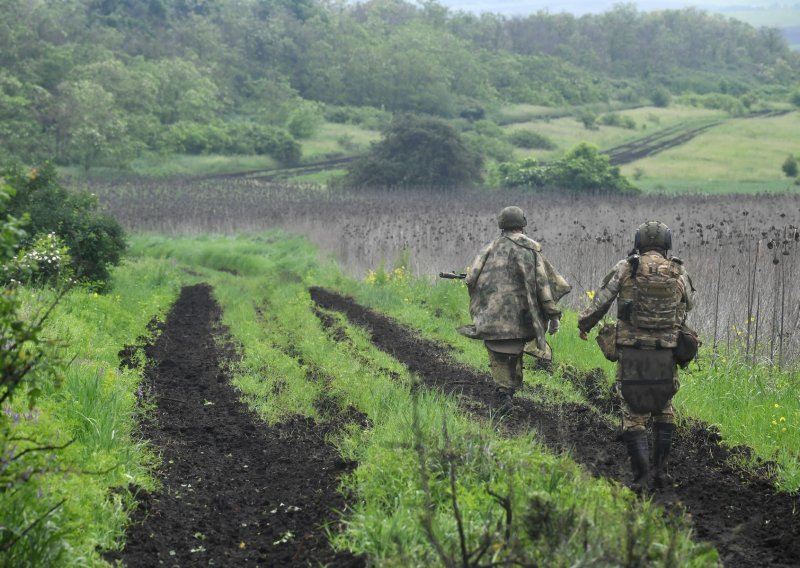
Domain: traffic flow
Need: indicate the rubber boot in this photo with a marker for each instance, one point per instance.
(662, 440)
(639, 452)
(504, 400)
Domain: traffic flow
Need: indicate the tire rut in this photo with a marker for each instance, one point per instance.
(235, 492)
(737, 510)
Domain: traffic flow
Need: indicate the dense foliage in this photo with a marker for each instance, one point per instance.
(94, 82)
(582, 170)
(93, 240)
(417, 151)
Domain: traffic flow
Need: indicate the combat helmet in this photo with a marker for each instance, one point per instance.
(511, 218)
(652, 235)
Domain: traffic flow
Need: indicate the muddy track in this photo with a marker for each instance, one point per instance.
(666, 139)
(235, 492)
(737, 511)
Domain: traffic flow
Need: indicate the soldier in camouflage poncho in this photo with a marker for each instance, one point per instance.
(513, 293)
(653, 293)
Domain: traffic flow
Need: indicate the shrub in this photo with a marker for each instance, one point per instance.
(95, 240)
(28, 361)
(618, 120)
(304, 121)
(583, 169)
(790, 167)
(417, 151)
(661, 97)
(47, 261)
(530, 140)
(794, 98)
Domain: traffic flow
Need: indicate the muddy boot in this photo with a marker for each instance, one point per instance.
(639, 452)
(662, 440)
(503, 400)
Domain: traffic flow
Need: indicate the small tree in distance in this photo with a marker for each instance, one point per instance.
(790, 167)
(417, 151)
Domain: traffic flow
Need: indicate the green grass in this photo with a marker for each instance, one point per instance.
(268, 311)
(96, 410)
(739, 399)
(739, 150)
(334, 140)
(568, 131)
(200, 165)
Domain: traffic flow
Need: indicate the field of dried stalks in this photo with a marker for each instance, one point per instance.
(742, 251)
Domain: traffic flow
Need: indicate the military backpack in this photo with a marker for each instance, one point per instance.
(657, 292)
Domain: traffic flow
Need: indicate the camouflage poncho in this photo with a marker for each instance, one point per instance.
(513, 291)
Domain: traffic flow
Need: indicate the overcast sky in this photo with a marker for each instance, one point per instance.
(593, 6)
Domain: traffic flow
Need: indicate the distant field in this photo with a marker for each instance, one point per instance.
(740, 153)
(568, 131)
(335, 140)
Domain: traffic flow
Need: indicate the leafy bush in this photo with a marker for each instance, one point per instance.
(47, 261)
(790, 167)
(661, 97)
(618, 120)
(231, 138)
(530, 140)
(583, 169)
(304, 121)
(27, 362)
(794, 98)
(95, 240)
(417, 151)
(718, 101)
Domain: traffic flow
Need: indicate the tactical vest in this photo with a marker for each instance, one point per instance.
(650, 305)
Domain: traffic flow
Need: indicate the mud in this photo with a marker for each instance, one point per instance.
(736, 510)
(234, 491)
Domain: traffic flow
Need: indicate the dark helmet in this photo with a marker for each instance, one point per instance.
(511, 218)
(652, 235)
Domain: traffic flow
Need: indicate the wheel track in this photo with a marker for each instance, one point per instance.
(235, 492)
(736, 510)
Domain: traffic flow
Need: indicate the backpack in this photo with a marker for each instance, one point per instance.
(657, 292)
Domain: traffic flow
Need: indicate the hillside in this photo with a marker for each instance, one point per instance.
(102, 83)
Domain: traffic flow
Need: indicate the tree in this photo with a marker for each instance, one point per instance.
(790, 167)
(417, 151)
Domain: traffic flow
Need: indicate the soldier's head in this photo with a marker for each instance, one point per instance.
(652, 235)
(511, 218)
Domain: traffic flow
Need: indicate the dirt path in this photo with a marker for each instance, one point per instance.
(235, 491)
(737, 511)
(667, 138)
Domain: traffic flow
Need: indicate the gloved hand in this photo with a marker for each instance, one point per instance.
(553, 325)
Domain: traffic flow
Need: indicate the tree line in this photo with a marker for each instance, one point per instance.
(96, 82)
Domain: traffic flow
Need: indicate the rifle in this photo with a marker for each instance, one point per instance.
(453, 275)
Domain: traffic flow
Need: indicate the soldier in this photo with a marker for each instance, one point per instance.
(654, 294)
(513, 291)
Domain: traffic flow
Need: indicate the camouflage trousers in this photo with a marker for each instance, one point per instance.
(633, 422)
(506, 369)
(646, 382)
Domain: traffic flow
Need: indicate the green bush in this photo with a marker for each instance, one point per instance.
(231, 138)
(95, 240)
(531, 140)
(583, 170)
(417, 151)
(661, 97)
(46, 261)
(790, 167)
(618, 120)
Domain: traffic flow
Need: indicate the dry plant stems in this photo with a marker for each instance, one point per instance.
(442, 230)
(465, 558)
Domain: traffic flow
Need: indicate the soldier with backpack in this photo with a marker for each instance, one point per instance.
(654, 293)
